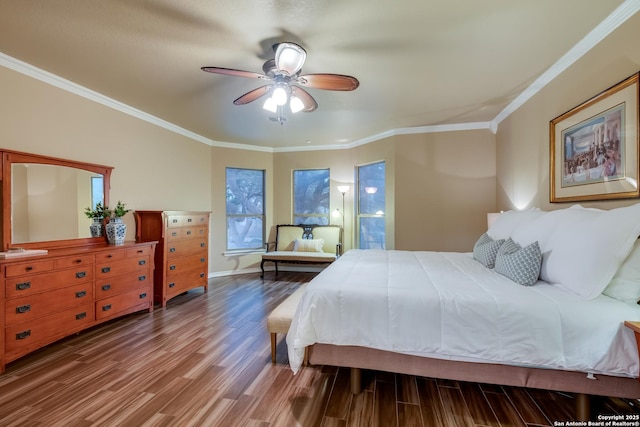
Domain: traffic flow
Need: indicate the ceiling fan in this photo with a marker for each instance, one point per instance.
(286, 83)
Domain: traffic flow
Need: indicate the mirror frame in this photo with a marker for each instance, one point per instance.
(8, 158)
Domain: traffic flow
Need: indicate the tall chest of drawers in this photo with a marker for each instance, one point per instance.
(182, 255)
(46, 298)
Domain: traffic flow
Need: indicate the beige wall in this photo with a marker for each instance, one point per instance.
(522, 140)
(444, 187)
(154, 168)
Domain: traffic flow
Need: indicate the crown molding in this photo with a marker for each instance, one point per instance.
(595, 36)
(623, 12)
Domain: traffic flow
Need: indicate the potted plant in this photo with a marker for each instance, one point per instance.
(116, 229)
(97, 214)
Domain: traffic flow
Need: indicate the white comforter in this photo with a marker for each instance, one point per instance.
(448, 306)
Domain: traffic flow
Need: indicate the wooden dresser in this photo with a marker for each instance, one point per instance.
(48, 297)
(182, 256)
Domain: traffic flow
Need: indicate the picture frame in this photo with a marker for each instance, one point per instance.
(594, 147)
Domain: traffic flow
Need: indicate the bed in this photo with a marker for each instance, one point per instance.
(464, 316)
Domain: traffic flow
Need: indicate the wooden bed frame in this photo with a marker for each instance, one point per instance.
(358, 358)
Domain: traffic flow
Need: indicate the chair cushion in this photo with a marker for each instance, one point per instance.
(292, 256)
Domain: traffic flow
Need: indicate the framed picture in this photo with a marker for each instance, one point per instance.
(594, 147)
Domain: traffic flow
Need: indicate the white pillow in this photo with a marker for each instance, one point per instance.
(507, 222)
(587, 246)
(308, 245)
(625, 285)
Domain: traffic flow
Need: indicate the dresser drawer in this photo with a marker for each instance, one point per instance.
(108, 256)
(38, 283)
(187, 233)
(106, 288)
(139, 251)
(183, 282)
(181, 265)
(114, 305)
(124, 266)
(22, 309)
(73, 261)
(47, 329)
(187, 220)
(181, 248)
(32, 267)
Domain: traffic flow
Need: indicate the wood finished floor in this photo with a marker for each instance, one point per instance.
(205, 361)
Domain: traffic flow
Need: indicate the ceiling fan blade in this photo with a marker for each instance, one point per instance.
(236, 73)
(252, 95)
(309, 103)
(290, 57)
(328, 81)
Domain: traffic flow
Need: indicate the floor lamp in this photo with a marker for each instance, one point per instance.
(342, 189)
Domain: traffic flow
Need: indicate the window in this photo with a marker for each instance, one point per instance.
(371, 206)
(311, 196)
(245, 209)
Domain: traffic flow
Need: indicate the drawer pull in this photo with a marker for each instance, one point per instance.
(106, 307)
(81, 294)
(171, 285)
(78, 261)
(81, 315)
(106, 269)
(172, 267)
(80, 274)
(23, 308)
(142, 262)
(189, 220)
(106, 287)
(202, 245)
(143, 295)
(174, 234)
(172, 249)
(142, 278)
(201, 275)
(188, 233)
(175, 221)
(29, 268)
(110, 256)
(203, 259)
(24, 334)
(140, 251)
(23, 286)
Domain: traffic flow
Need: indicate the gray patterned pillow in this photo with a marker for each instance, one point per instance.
(522, 265)
(486, 249)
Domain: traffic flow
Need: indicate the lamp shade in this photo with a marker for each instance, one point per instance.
(343, 188)
(279, 95)
(270, 105)
(295, 104)
(290, 57)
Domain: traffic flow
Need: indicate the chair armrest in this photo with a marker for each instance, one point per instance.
(266, 245)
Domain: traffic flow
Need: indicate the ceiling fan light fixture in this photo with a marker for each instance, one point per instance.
(270, 105)
(279, 95)
(296, 104)
(290, 57)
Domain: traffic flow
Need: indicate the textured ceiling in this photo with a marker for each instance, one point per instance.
(419, 62)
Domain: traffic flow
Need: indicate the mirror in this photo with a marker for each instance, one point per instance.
(44, 200)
